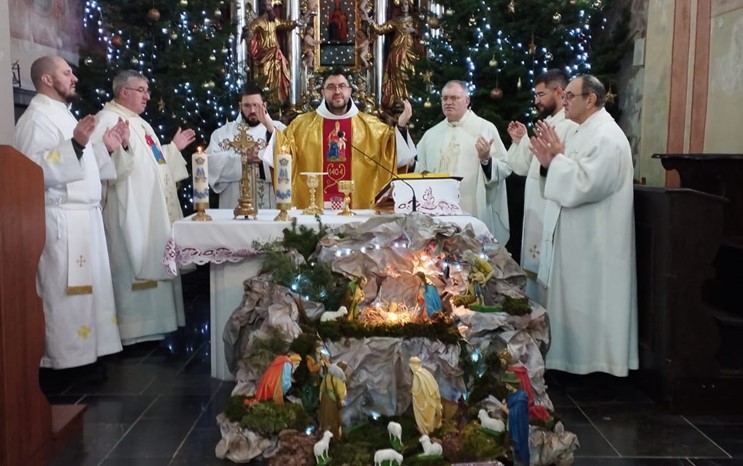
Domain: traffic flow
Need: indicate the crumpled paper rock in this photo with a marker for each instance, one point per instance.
(241, 445)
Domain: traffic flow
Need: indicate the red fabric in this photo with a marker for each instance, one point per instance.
(535, 411)
(336, 146)
(269, 387)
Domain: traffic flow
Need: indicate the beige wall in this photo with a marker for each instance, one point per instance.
(724, 123)
(7, 122)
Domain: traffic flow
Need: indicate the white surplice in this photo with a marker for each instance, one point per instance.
(592, 282)
(449, 147)
(225, 167)
(141, 207)
(523, 163)
(79, 327)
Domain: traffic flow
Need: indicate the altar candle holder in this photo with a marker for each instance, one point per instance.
(346, 187)
(201, 215)
(313, 182)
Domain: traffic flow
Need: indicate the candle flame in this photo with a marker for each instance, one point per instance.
(199, 149)
(284, 149)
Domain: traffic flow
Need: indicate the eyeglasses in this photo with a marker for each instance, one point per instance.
(451, 98)
(570, 95)
(141, 90)
(339, 87)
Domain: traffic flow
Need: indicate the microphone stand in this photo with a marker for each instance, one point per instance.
(394, 175)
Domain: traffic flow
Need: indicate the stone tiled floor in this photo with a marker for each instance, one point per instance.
(158, 404)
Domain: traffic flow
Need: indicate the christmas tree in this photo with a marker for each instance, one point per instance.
(499, 47)
(185, 48)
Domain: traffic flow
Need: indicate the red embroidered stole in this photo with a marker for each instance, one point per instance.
(336, 157)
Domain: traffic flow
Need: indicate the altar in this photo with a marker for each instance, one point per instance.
(228, 246)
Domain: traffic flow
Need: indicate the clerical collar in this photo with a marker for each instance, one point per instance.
(324, 112)
(121, 109)
(461, 121)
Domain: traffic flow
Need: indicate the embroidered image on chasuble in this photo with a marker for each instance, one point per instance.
(329, 146)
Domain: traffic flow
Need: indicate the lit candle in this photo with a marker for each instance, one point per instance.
(200, 180)
(284, 177)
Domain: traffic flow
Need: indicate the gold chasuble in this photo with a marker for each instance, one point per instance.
(329, 144)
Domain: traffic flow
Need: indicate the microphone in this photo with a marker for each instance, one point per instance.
(394, 175)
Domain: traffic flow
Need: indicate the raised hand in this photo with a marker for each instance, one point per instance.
(516, 130)
(181, 139)
(546, 144)
(122, 128)
(84, 129)
(407, 112)
(112, 139)
(483, 148)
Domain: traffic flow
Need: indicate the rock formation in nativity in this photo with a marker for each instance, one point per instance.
(471, 346)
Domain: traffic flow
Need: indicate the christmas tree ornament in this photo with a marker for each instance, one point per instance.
(548, 56)
(449, 11)
(427, 103)
(116, 41)
(134, 61)
(473, 21)
(173, 35)
(610, 96)
(434, 22)
(512, 6)
(532, 46)
(534, 112)
(217, 13)
(557, 17)
(496, 93)
(224, 50)
(493, 62)
(153, 15)
(212, 58)
(184, 2)
(597, 4)
(518, 84)
(183, 66)
(88, 61)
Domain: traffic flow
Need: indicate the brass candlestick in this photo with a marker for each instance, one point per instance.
(201, 215)
(346, 187)
(313, 181)
(283, 215)
(245, 206)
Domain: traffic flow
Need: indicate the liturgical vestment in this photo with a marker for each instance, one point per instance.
(74, 277)
(141, 207)
(523, 163)
(318, 142)
(590, 267)
(449, 147)
(225, 165)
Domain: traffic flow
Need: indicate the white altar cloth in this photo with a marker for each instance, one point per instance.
(226, 244)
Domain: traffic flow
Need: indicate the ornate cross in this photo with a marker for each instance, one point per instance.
(81, 261)
(243, 143)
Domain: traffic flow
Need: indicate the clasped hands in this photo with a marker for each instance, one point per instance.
(546, 144)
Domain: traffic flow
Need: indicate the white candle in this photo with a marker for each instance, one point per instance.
(199, 169)
(284, 177)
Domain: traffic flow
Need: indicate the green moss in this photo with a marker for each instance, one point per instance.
(516, 306)
(443, 330)
(480, 446)
(269, 419)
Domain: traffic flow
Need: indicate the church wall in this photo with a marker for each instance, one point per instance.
(723, 127)
(6, 85)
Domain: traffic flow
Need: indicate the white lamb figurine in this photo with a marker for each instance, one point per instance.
(329, 316)
(395, 431)
(321, 447)
(490, 423)
(430, 448)
(388, 454)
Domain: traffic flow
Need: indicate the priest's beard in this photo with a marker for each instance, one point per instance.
(548, 110)
(251, 121)
(69, 95)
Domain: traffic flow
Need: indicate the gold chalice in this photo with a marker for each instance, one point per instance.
(346, 187)
(313, 182)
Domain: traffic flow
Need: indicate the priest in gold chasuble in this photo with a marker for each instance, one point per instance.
(343, 142)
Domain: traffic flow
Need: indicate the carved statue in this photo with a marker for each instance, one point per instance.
(426, 398)
(403, 55)
(270, 66)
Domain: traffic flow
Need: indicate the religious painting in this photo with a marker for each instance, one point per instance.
(336, 28)
(54, 24)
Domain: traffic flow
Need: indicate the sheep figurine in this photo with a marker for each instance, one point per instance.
(321, 448)
(389, 455)
(490, 423)
(330, 316)
(395, 431)
(430, 448)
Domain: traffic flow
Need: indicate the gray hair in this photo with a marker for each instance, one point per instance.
(592, 85)
(460, 83)
(124, 77)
